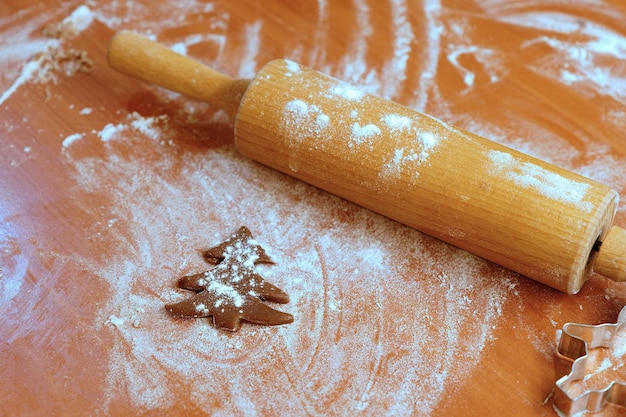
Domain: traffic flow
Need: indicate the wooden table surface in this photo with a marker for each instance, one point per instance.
(111, 187)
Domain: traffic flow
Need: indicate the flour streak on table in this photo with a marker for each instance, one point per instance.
(387, 319)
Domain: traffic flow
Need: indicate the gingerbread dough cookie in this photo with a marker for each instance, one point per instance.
(232, 291)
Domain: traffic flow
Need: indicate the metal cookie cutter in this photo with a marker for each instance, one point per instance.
(573, 350)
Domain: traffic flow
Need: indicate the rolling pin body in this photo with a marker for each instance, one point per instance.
(517, 211)
(530, 216)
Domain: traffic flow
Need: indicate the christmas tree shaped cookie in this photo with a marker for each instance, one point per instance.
(232, 291)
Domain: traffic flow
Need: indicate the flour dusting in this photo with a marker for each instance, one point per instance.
(394, 72)
(40, 69)
(347, 91)
(364, 290)
(550, 184)
(69, 140)
(582, 61)
(397, 122)
(249, 65)
(28, 73)
(338, 119)
(363, 133)
(157, 202)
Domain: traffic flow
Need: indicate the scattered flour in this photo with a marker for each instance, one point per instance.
(347, 91)
(252, 45)
(68, 141)
(29, 71)
(304, 120)
(80, 19)
(292, 66)
(397, 122)
(226, 291)
(337, 271)
(38, 69)
(322, 121)
(354, 63)
(363, 133)
(353, 313)
(394, 72)
(428, 140)
(110, 131)
(14, 259)
(307, 126)
(581, 61)
(550, 184)
(148, 126)
(297, 108)
(116, 321)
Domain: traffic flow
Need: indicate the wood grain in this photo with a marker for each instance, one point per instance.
(111, 187)
(285, 122)
(490, 200)
(152, 62)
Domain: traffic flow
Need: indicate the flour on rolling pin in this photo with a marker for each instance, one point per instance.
(537, 219)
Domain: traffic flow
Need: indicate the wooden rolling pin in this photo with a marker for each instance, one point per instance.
(537, 219)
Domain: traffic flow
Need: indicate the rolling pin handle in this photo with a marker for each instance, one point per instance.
(140, 57)
(611, 259)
